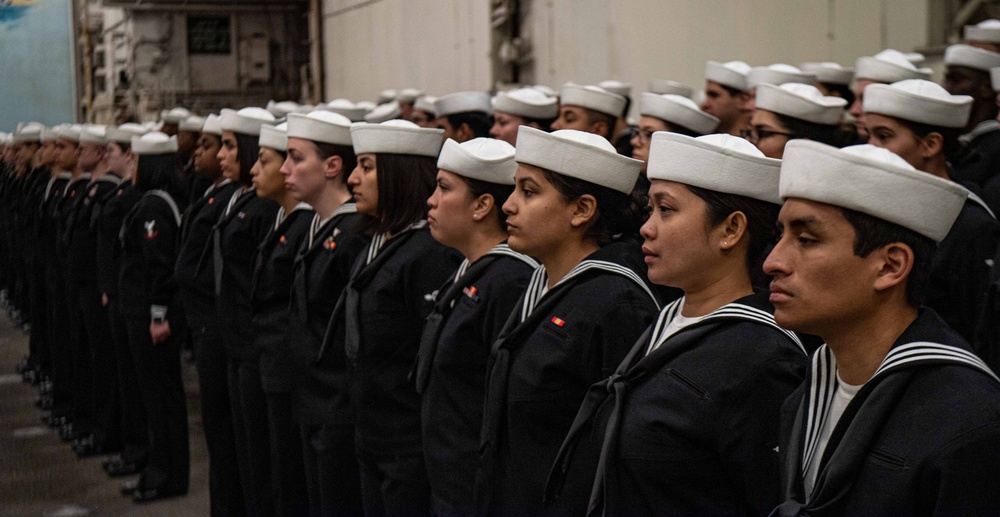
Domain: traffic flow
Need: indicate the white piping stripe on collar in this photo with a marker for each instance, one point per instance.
(346, 208)
(280, 218)
(924, 351)
(213, 188)
(164, 195)
(729, 310)
(83, 177)
(238, 193)
(824, 382)
(979, 201)
(981, 129)
(821, 391)
(499, 249)
(109, 178)
(537, 286)
(379, 241)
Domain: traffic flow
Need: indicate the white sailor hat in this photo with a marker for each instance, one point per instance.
(396, 137)
(665, 86)
(94, 135)
(778, 74)
(732, 74)
(175, 115)
(874, 181)
(678, 110)
(617, 87)
(592, 98)
(353, 112)
(484, 159)
(986, 31)
(463, 102)
(387, 95)
(321, 126)
(193, 124)
(828, 72)
(920, 101)
(123, 134)
(6, 138)
(577, 154)
(366, 105)
(30, 132)
(425, 103)
(213, 125)
(282, 109)
(409, 94)
(723, 163)
(526, 102)
(71, 132)
(383, 112)
(972, 57)
(888, 66)
(546, 89)
(247, 121)
(48, 134)
(154, 143)
(274, 137)
(801, 101)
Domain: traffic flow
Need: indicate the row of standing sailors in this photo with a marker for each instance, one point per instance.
(308, 393)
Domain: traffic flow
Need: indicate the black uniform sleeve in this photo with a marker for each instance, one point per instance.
(159, 250)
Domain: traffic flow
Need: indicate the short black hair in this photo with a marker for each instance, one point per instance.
(479, 122)
(614, 215)
(124, 147)
(499, 192)
(823, 133)
(733, 92)
(951, 146)
(346, 153)
(761, 218)
(247, 151)
(628, 106)
(594, 116)
(872, 233)
(405, 181)
(157, 172)
(843, 91)
(544, 124)
(677, 128)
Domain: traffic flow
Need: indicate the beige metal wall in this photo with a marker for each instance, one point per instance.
(437, 45)
(443, 45)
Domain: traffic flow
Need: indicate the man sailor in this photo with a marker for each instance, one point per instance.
(885, 67)
(897, 416)
(968, 73)
(464, 115)
(919, 121)
(727, 95)
(591, 109)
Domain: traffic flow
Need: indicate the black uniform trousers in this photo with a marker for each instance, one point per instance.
(288, 486)
(253, 442)
(212, 362)
(134, 428)
(79, 350)
(159, 374)
(105, 401)
(59, 331)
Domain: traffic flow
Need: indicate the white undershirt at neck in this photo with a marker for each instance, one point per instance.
(844, 395)
(676, 325)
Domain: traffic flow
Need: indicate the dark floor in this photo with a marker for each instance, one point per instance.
(40, 475)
